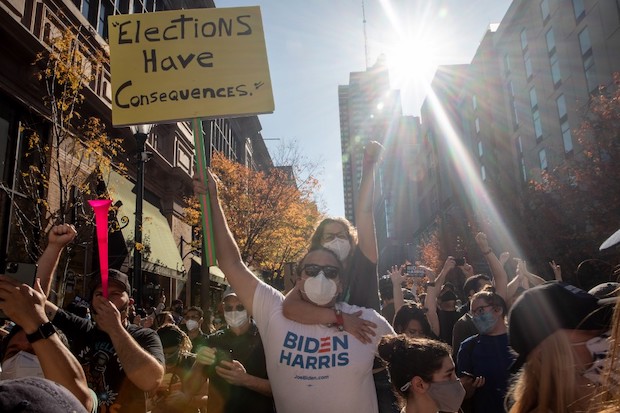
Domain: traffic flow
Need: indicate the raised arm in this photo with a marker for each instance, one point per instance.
(242, 280)
(305, 313)
(364, 214)
(26, 307)
(533, 279)
(500, 278)
(397, 290)
(434, 286)
(59, 236)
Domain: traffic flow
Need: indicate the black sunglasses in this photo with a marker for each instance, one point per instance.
(238, 307)
(312, 270)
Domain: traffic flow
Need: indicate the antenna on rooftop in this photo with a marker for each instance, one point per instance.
(365, 36)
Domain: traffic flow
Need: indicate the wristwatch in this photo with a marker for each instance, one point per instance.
(45, 330)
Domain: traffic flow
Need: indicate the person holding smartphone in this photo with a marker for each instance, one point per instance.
(233, 361)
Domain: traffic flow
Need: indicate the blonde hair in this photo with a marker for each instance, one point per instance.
(610, 393)
(548, 380)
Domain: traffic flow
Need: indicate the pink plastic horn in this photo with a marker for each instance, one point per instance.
(101, 207)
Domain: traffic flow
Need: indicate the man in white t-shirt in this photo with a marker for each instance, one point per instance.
(312, 368)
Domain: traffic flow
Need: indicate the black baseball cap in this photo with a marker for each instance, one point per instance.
(544, 309)
(114, 276)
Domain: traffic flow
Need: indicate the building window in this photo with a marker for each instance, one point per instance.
(550, 41)
(523, 39)
(477, 122)
(519, 145)
(564, 125)
(536, 115)
(533, 99)
(515, 116)
(542, 156)
(537, 125)
(553, 58)
(562, 111)
(567, 139)
(588, 59)
(528, 66)
(544, 10)
(556, 76)
(579, 9)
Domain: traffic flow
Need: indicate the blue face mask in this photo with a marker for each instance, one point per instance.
(484, 322)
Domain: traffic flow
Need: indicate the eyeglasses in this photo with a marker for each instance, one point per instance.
(312, 270)
(238, 307)
(480, 310)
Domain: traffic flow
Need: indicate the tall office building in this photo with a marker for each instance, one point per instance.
(367, 107)
(515, 109)
(371, 110)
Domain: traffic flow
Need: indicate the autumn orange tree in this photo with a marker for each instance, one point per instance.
(270, 216)
(62, 153)
(574, 207)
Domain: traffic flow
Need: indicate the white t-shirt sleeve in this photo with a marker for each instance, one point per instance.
(267, 300)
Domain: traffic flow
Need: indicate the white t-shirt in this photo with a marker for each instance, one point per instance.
(315, 368)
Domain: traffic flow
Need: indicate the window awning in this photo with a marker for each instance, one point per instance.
(215, 274)
(160, 254)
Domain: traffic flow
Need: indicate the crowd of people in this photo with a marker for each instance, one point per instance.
(417, 339)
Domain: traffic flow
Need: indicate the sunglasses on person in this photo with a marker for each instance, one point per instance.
(238, 307)
(312, 270)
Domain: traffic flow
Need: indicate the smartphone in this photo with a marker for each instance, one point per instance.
(459, 261)
(413, 271)
(22, 272)
(222, 355)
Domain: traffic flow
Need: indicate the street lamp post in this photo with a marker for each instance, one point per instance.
(140, 133)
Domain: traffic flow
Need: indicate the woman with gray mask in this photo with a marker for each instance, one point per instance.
(422, 373)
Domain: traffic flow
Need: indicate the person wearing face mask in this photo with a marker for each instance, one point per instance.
(422, 373)
(233, 361)
(484, 359)
(561, 334)
(312, 368)
(192, 325)
(356, 248)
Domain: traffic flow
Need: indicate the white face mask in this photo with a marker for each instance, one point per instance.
(341, 247)
(191, 325)
(236, 319)
(320, 289)
(23, 364)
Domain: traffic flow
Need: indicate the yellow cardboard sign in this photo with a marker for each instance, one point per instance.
(184, 64)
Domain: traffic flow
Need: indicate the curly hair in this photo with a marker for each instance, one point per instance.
(171, 336)
(407, 358)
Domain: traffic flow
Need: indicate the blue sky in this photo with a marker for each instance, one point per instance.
(313, 45)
